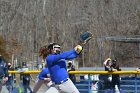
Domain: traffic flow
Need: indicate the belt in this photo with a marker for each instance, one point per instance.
(60, 82)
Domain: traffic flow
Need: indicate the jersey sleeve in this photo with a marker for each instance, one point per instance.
(74, 55)
(65, 55)
(43, 73)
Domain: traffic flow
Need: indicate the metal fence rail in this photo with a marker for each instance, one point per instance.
(88, 90)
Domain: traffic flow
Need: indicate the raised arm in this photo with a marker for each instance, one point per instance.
(65, 55)
(54, 58)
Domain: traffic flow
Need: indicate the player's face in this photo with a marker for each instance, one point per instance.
(109, 63)
(56, 49)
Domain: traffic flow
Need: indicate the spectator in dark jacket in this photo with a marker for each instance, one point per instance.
(3, 72)
(115, 77)
(111, 65)
(11, 78)
(26, 80)
(107, 78)
(70, 67)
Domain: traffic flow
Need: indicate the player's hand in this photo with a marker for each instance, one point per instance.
(47, 79)
(114, 69)
(78, 48)
(5, 79)
(137, 69)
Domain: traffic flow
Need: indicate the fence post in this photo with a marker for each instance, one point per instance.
(136, 88)
(89, 83)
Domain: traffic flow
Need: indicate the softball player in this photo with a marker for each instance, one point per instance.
(56, 62)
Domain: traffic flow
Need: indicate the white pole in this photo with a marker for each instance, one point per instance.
(13, 60)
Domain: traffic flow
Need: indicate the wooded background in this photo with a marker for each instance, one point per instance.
(26, 25)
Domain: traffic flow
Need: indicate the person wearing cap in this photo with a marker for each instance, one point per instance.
(70, 67)
(107, 78)
(56, 61)
(11, 78)
(107, 64)
(25, 78)
(3, 72)
(114, 79)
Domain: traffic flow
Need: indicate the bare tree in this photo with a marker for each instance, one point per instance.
(34, 23)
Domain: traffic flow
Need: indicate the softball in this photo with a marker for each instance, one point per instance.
(79, 48)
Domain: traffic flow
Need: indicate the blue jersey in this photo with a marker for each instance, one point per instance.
(57, 65)
(44, 74)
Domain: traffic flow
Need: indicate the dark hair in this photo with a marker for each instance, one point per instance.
(114, 63)
(24, 64)
(46, 50)
(50, 46)
(69, 64)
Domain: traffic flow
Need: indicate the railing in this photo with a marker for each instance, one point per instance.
(89, 73)
(25, 72)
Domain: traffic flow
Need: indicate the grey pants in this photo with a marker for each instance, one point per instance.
(66, 87)
(39, 83)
